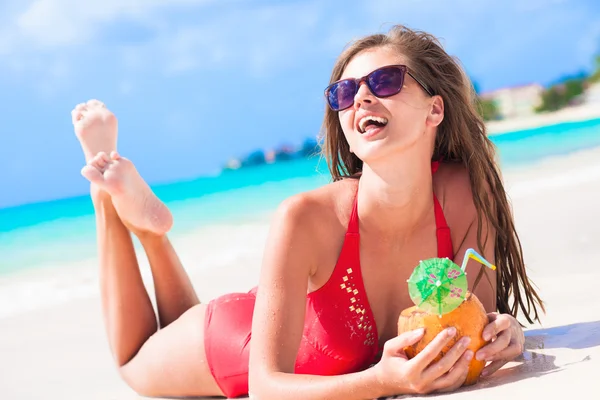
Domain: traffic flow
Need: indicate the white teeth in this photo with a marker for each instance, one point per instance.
(362, 124)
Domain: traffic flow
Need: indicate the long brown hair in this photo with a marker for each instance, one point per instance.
(461, 138)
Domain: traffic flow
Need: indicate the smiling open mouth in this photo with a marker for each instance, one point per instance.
(371, 122)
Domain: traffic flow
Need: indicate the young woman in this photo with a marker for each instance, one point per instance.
(414, 177)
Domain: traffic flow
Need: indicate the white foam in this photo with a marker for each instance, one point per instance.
(221, 245)
(561, 180)
(214, 246)
(20, 294)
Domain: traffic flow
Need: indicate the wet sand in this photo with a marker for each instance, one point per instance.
(61, 352)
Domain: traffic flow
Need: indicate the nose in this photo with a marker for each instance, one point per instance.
(363, 95)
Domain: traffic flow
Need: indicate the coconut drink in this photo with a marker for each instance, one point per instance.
(438, 287)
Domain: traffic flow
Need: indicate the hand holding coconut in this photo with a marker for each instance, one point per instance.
(438, 287)
(509, 342)
(396, 374)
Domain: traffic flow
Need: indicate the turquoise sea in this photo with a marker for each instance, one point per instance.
(49, 233)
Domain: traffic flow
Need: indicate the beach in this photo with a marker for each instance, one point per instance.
(581, 112)
(227, 109)
(59, 350)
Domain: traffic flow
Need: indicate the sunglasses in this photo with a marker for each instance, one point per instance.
(383, 82)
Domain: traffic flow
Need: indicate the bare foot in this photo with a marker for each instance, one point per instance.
(95, 127)
(137, 206)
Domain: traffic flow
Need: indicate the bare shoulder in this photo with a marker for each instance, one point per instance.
(320, 215)
(452, 181)
(321, 208)
(303, 231)
(452, 185)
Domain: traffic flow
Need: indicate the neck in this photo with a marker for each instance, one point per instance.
(395, 199)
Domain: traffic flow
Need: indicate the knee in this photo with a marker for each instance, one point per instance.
(142, 387)
(171, 361)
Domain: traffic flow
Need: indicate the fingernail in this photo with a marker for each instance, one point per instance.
(418, 332)
(469, 355)
(451, 331)
(480, 356)
(464, 342)
(485, 372)
(487, 336)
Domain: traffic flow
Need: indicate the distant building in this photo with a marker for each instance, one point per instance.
(270, 156)
(516, 101)
(233, 164)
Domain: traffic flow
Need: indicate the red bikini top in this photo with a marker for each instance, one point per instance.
(340, 335)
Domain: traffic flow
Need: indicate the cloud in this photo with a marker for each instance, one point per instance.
(176, 37)
(255, 37)
(51, 24)
(39, 36)
(250, 39)
(509, 38)
(44, 43)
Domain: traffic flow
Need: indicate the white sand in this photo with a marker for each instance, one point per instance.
(60, 351)
(582, 112)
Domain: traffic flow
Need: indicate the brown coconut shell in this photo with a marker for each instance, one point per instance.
(469, 319)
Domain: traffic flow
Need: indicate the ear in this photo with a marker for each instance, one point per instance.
(436, 113)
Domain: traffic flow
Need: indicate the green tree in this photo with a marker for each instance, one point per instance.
(595, 77)
(552, 100)
(562, 94)
(488, 109)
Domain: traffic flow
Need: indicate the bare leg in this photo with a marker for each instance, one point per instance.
(170, 362)
(128, 313)
(146, 216)
(174, 291)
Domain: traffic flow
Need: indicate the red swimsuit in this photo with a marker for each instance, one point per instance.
(339, 336)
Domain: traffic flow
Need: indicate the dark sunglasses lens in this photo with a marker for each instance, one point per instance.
(341, 95)
(386, 81)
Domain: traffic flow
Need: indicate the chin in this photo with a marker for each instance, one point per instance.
(378, 159)
(382, 149)
(376, 156)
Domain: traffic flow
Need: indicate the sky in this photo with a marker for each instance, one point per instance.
(195, 82)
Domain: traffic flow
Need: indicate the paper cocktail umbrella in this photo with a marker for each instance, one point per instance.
(438, 285)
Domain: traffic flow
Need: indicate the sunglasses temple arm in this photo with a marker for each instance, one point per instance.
(420, 83)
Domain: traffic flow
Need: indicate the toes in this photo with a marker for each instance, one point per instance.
(76, 116)
(115, 156)
(100, 161)
(94, 170)
(78, 112)
(105, 158)
(92, 174)
(96, 103)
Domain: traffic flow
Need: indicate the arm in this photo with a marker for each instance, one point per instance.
(461, 214)
(290, 258)
(503, 330)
